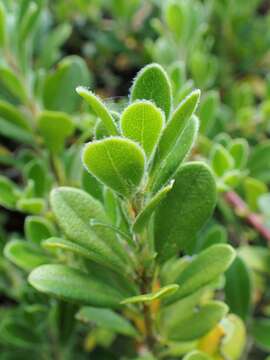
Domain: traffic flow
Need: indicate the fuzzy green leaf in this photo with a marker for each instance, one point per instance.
(99, 109)
(106, 319)
(175, 128)
(259, 161)
(142, 122)
(72, 285)
(175, 18)
(198, 323)
(208, 110)
(161, 174)
(73, 209)
(55, 127)
(145, 215)
(185, 209)
(24, 255)
(161, 293)
(152, 83)
(118, 163)
(203, 269)
(37, 171)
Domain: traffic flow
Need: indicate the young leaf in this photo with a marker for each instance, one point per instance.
(239, 151)
(142, 122)
(38, 228)
(259, 164)
(36, 171)
(221, 160)
(55, 127)
(72, 285)
(161, 293)
(99, 108)
(118, 163)
(145, 215)
(175, 18)
(203, 269)
(73, 210)
(58, 92)
(198, 323)
(161, 174)
(24, 255)
(238, 290)
(185, 209)
(175, 127)
(152, 83)
(253, 190)
(107, 319)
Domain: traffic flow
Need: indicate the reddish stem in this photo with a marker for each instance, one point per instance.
(241, 209)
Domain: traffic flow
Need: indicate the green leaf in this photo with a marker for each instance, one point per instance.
(152, 83)
(217, 234)
(175, 128)
(161, 174)
(161, 293)
(38, 228)
(55, 127)
(198, 323)
(107, 319)
(221, 160)
(58, 92)
(91, 185)
(175, 18)
(3, 25)
(74, 286)
(99, 109)
(146, 213)
(259, 162)
(185, 209)
(261, 333)
(24, 255)
(142, 122)
(9, 193)
(204, 268)
(18, 335)
(253, 190)
(73, 209)
(31, 206)
(197, 355)
(36, 170)
(239, 150)
(208, 111)
(13, 83)
(13, 124)
(118, 163)
(234, 341)
(238, 289)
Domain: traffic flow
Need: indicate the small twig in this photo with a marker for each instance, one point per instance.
(242, 209)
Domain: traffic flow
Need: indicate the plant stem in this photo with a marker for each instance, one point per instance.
(242, 209)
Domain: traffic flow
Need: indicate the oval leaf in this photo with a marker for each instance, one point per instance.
(161, 293)
(152, 83)
(74, 286)
(118, 163)
(185, 209)
(142, 122)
